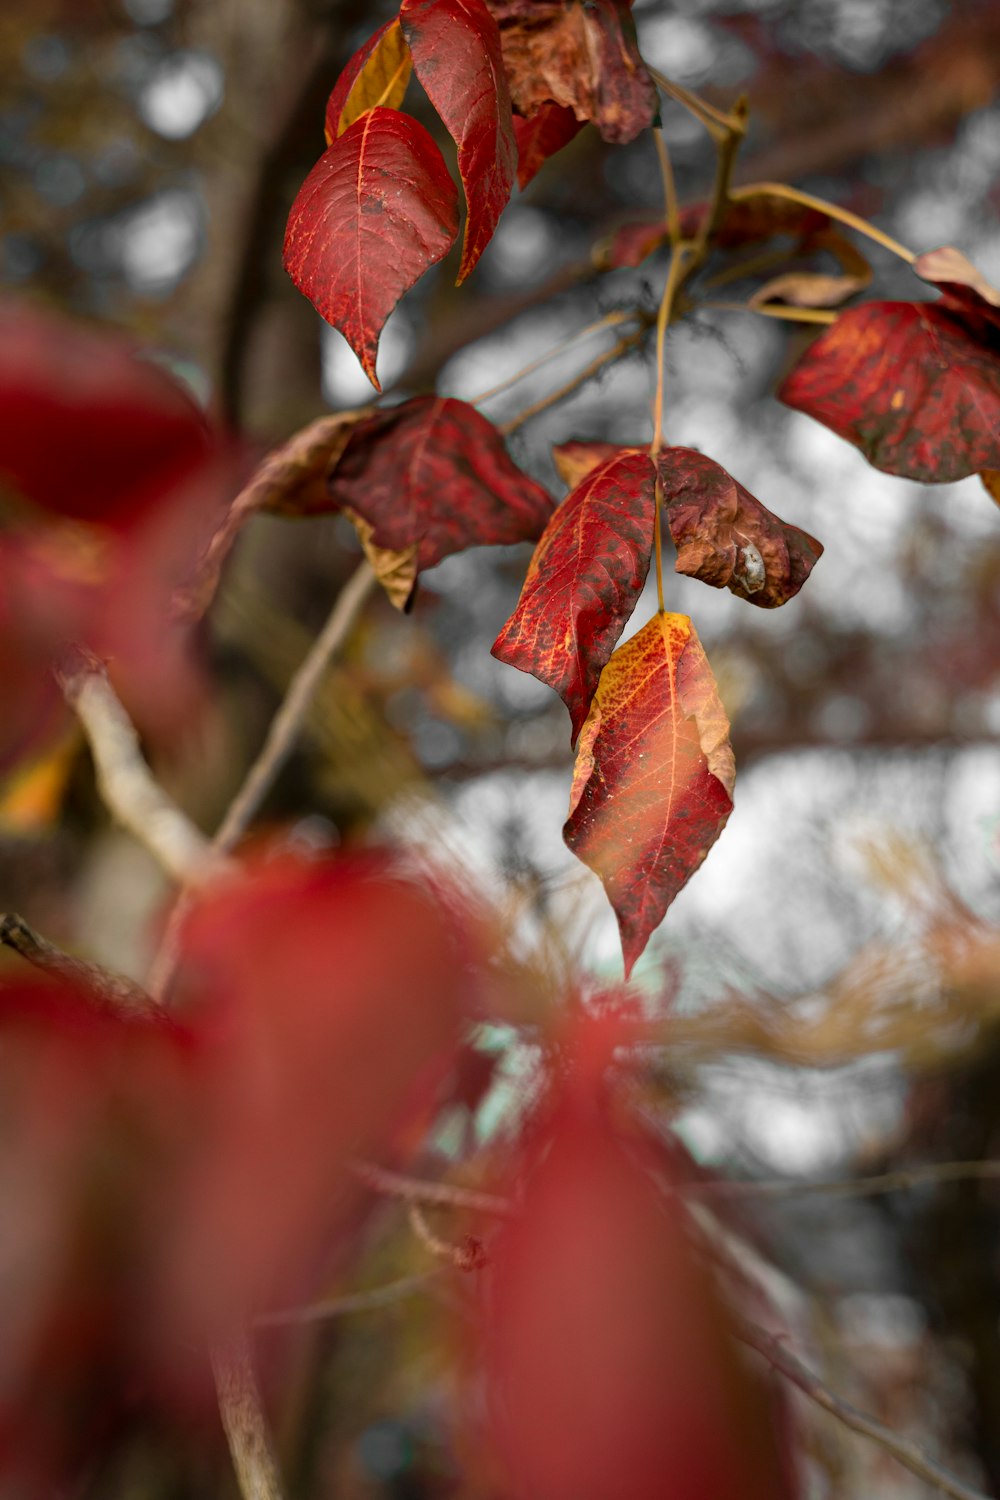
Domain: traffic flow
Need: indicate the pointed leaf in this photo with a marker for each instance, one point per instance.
(456, 52)
(547, 131)
(809, 289)
(607, 1356)
(376, 75)
(653, 782)
(725, 537)
(582, 55)
(428, 478)
(375, 212)
(291, 481)
(585, 577)
(914, 385)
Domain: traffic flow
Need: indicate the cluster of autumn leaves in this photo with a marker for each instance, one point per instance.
(212, 1150)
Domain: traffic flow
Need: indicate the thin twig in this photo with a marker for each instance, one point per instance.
(443, 1194)
(352, 1302)
(853, 1187)
(902, 1450)
(285, 725)
(670, 206)
(114, 991)
(610, 320)
(243, 1419)
(126, 784)
(832, 210)
(715, 121)
(619, 348)
(467, 1255)
(787, 314)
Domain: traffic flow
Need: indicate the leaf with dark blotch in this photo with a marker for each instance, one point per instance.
(575, 459)
(291, 481)
(652, 786)
(585, 577)
(428, 478)
(547, 131)
(377, 74)
(914, 385)
(726, 537)
(456, 52)
(582, 55)
(376, 211)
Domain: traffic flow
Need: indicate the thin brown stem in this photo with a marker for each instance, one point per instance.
(610, 320)
(832, 210)
(622, 346)
(441, 1194)
(114, 991)
(670, 205)
(658, 544)
(352, 1302)
(902, 1180)
(243, 1419)
(902, 1450)
(786, 314)
(715, 121)
(126, 784)
(285, 725)
(468, 1255)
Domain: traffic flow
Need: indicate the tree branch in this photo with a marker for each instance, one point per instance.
(114, 991)
(443, 1194)
(243, 1419)
(127, 786)
(902, 1450)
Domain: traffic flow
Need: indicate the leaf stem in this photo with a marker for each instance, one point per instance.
(669, 185)
(789, 314)
(833, 210)
(622, 346)
(610, 320)
(715, 121)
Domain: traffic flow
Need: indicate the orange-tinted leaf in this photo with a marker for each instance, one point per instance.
(809, 289)
(428, 478)
(456, 53)
(583, 582)
(574, 459)
(31, 800)
(610, 1370)
(377, 209)
(725, 537)
(914, 385)
(956, 276)
(652, 786)
(376, 75)
(582, 55)
(991, 483)
(547, 131)
(291, 481)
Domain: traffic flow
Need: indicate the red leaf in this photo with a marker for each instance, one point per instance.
(456, 52)
(725, 537)
(652, 786)
(110, 476)
(610, 1370)
(90, 430)
(583, 582)
(428, 478)
(334, 991)
(375, 212)
(582, 55)
(377, 74)
(547, 131)
(914, 385)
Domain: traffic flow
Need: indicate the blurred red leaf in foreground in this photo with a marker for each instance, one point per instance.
(608, 1365)
(109, 477)
(332, 993)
